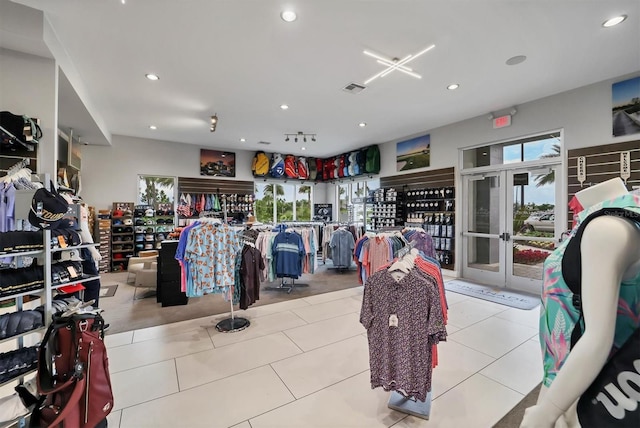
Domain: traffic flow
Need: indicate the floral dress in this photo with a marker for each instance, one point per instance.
(558, 316)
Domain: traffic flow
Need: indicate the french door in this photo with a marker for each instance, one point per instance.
(509, 225)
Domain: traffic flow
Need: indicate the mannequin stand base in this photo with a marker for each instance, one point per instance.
(231, 325)
(286, 287)
(420, 409)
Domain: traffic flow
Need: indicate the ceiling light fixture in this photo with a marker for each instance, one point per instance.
(288, 16)
(284, 107)
(242, 140)
(214, 122)
(153, 127)
(362, 124)
(152, 76)
(304, 148)
(123, 1)
(614, 21)
(299, 136)
(396, 64)
(453, 86)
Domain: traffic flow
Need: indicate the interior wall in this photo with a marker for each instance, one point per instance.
(110, 173)
(28, 85)
(583, 113)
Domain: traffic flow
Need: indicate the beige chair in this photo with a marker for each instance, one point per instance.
(143, 271)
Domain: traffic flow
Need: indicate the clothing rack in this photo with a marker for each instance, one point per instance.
(288, 287)
(18, 166)
(233, 324)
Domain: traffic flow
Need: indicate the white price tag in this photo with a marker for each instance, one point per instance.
(393, 320)
(582, 169)
(625, 167)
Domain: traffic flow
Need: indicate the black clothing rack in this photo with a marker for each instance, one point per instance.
(288, 287)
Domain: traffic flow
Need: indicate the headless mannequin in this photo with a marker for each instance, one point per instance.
(610, 251)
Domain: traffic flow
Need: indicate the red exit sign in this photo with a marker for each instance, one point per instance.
(502, 121)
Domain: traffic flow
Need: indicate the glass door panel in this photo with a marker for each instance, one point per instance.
(482, 250)
(531, 225)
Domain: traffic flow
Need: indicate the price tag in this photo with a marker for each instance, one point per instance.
(582, 169)
(393, 320)
(72, 271)
(625, 167)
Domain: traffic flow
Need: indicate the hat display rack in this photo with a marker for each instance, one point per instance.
(152, 225)
(122, 236)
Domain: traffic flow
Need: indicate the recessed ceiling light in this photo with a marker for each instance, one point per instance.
(453, 86)
(153, 127)
(123, 1)
(152, 76)
(304, 148)
(362, 124)
(614, 21)
(242, 140)
(514, 60)
(284, 107)
(288, 16)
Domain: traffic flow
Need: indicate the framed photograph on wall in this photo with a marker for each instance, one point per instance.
(214, 163)
(153, 189)
(75, 153)
(626, 107)
(63, 149)
(413, 153)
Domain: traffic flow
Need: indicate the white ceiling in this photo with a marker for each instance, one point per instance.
(240, 60)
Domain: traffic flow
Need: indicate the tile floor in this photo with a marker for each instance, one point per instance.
(304, 363)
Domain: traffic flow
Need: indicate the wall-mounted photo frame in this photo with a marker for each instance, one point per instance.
(214, 163)
(63, 149)
(153, 190)
(413, 153)
(625, 104)
(75, 153)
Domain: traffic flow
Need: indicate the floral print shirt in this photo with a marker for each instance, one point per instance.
(400, 354)
(558, 316)
(211, 251)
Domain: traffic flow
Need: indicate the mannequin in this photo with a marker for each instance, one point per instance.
(610, 250)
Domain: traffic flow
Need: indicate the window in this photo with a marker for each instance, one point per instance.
(525, 150)
(283, 202)
(264, 202)
(285, 199)
(304, 195)
(343, 202)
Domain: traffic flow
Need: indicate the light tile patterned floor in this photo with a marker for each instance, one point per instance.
(304, 363)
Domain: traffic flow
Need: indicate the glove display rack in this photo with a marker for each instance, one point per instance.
(387, 209)
(433, 209)
(122, 236)
(22, 359)
(152, 225)
(103, 237)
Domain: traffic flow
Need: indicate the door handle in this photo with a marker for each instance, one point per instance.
(505, 236)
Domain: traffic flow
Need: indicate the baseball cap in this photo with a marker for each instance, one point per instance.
(149, 212)
(128, 222)
(47, 208)
(118, 213)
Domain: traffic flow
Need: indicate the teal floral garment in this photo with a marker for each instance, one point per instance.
(557, 314)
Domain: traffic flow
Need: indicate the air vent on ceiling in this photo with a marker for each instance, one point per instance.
(266, 143)
(354, 88)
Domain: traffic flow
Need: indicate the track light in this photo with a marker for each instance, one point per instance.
(300, 136)
(214, 122)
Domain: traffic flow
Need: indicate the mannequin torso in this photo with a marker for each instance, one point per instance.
(610, 251)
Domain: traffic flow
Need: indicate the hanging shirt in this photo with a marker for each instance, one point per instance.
(288, 251)
(558, 315)
(211, 252)
(250, 268)
(403, 320)
(342, 245)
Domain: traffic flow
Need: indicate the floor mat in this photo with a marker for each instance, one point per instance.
(108, 290)
(514, 299)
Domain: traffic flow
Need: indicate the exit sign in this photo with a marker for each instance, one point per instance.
(502, 121)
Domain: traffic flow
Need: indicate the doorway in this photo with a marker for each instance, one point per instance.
(511, 222)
